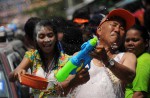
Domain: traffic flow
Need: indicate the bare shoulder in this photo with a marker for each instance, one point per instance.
(129, 60)
(129, 55)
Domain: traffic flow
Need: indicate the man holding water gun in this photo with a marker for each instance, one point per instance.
(110, 69)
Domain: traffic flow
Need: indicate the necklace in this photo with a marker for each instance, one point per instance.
(50, 67)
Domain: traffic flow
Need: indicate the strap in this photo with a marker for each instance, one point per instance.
(50, 67)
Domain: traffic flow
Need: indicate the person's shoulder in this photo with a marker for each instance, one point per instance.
(145, 57)
(129, 54)
(31, 52)
(146, 54)
(130, 57)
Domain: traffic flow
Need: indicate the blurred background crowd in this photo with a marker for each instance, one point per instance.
(66, 13)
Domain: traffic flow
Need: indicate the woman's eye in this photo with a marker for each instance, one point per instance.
(41, 36)
(50, 35)
(135, 40)
(127, 40)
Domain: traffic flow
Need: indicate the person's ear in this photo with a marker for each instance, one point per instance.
(98, 30)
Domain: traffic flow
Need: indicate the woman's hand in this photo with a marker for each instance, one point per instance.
(13, 76)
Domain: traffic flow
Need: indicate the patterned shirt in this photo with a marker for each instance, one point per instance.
(35, 59)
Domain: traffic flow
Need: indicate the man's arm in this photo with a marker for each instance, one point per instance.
(126, 70)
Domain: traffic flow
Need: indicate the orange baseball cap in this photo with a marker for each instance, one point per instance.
(80, 20)
(124, 14)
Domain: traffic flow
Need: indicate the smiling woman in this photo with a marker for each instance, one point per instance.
(44, 61)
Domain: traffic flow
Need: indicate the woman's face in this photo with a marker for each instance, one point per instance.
(46, 39)
(134, 42)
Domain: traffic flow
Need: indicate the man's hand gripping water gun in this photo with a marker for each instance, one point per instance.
(82, 57)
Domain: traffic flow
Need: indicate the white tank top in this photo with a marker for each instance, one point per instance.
(102, 83)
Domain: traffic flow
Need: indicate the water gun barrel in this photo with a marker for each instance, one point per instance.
(65, 71)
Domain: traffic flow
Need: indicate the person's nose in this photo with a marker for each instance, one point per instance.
(46, 39)
(117, 28)
(130, 43)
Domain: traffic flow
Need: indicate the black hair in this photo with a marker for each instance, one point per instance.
(72, 40)
(82, 13)
(30, 25)
(147, 19)
(47, 23)
(59, 22)
(3, 36)
(143, 30)
(146, 1)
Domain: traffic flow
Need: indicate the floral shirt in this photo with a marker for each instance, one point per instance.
(35, 59)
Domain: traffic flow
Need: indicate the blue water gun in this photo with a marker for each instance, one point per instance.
(76, 61)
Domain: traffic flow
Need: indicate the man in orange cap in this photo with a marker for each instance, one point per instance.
(110, 69)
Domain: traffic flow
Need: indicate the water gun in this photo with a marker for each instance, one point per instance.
(82, 57)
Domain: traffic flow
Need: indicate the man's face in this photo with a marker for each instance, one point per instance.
(112, 33)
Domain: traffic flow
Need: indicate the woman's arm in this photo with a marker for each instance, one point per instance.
(21, 69)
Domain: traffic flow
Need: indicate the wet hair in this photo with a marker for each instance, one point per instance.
(47, 23)
(59, 22)
(72, 40)
(30, 25)
(44, 23)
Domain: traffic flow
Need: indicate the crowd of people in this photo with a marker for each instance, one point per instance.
(120, 65)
